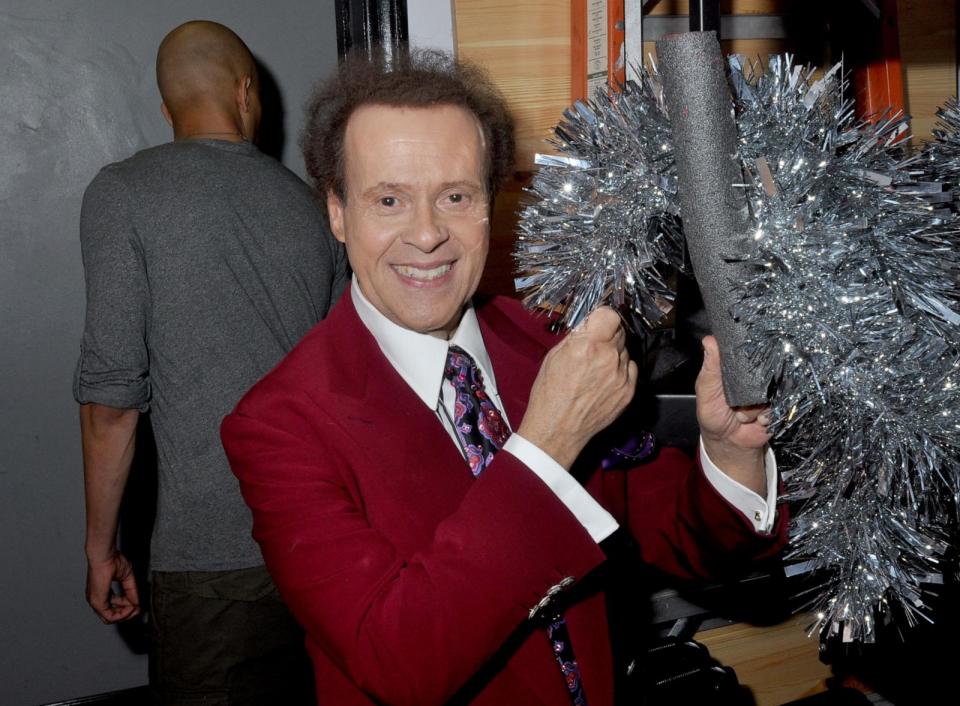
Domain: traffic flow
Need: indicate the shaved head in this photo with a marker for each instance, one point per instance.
(199, 67)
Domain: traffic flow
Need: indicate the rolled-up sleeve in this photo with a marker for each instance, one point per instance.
(113, 368)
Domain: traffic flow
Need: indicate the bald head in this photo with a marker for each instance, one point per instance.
(207, 77)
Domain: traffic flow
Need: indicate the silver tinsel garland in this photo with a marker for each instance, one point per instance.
(605, 213)
(853, 308)
(853, 314)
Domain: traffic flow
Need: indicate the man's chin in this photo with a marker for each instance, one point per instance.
(439, 326)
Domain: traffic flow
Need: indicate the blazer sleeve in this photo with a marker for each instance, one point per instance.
(682, 525)
(406, 629)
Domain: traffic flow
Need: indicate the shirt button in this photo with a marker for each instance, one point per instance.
(756, 515)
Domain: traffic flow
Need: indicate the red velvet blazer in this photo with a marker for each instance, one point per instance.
(413, 579)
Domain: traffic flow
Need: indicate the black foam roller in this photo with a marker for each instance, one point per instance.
(713, 208)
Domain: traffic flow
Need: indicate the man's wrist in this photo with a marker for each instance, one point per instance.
(746, 466)
(556, 447)
(98, 551)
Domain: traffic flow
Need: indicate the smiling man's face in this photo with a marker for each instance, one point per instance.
(415, 218)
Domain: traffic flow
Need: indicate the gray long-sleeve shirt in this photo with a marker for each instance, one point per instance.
(205, 262)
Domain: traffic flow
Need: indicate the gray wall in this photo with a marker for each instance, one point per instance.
(76, 92)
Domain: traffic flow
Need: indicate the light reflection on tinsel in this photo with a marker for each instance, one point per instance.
(605, 211)
(853, 313)
(853, 310)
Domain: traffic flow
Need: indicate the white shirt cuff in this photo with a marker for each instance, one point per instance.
(761, 512)
(597, 521)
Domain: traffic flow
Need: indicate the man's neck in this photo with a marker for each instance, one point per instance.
(225, 130)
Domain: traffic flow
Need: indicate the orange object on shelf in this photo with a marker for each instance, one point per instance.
(595, 39)
(878, 83)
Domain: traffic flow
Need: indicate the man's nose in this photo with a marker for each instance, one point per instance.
(427, 231)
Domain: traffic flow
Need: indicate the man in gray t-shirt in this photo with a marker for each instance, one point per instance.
(205, 262)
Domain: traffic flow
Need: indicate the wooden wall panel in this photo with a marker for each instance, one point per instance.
(526, 48)
(928, 53)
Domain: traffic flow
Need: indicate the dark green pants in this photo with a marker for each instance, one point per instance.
(224, 638)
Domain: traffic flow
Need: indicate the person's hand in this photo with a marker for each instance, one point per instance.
(735, 438)
(101, 574)
(584, 384)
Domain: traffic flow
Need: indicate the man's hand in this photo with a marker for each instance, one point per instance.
(584, 384)
(735, 438)
(101, 573)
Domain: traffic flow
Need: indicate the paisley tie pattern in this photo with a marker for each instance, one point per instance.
(478, 422)
(482, 432)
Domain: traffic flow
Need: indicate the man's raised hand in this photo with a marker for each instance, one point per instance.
(735, 438)
(584, 384)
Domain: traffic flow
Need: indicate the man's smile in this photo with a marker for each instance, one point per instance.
(423, 274)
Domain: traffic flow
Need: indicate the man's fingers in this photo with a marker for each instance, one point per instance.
(620, 339)
(129, 585)
(748, 415)
(603, 324)
(118, 601)
(711, 354)
(116, 608)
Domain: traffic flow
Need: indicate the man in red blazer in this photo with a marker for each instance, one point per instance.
(427, 566)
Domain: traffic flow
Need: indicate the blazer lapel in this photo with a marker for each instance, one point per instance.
(516, 358)
(409, 472)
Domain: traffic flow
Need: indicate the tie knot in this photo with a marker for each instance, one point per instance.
(461, 369)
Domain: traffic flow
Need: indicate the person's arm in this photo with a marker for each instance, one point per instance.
(383, 613)
(684, 524)
(111, 383)
(109, 436)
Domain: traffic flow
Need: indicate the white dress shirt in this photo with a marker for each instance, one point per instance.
(420, 360)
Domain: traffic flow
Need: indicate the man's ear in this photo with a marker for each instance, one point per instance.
(166, 113)
(244, 88)
(335, 214)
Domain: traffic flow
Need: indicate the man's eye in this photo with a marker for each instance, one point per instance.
(457, 198)
(388, 201)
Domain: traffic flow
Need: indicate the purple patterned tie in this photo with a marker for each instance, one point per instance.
(482, 432)
(479, 424)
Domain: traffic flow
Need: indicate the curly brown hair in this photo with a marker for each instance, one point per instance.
(418, 78)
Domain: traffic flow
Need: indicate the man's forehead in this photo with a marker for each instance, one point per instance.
(380, 137)
(392, 119)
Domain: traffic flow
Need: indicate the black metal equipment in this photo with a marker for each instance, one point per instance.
(705, 16)
(370, 24)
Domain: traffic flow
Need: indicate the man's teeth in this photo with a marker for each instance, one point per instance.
(421, 274)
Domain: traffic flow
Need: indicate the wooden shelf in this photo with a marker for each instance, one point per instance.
(778, 663)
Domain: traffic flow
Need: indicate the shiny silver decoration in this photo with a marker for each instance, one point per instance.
(603, 225)
(854, 312)
(853, 307)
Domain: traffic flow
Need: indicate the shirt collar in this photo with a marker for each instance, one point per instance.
(418, 357)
